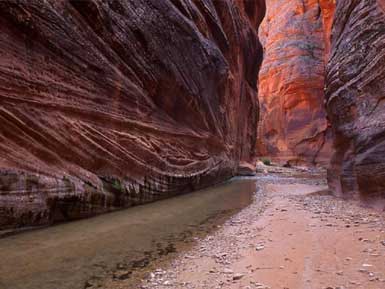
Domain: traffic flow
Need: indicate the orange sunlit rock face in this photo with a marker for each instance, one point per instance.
(108, 104)
(295, 36)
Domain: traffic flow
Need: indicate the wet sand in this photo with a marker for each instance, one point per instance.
(299, 237)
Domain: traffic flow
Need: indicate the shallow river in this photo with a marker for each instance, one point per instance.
(65, 256)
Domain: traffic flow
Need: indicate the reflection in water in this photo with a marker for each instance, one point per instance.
(66, 255)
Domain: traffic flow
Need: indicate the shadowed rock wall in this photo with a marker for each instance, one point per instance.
(355, 82)
(295, 36)
(108, 104)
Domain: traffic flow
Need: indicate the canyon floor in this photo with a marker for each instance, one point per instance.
(294, 235)
(281, 229)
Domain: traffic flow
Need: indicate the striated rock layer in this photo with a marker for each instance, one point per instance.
(107, 104)
(295, 36)
(356, 98)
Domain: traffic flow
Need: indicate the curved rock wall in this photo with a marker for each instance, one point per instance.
(107, 104)
(295, 36)
(356, 98)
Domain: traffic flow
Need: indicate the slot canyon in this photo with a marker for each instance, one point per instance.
(233, 144)
(295, 36)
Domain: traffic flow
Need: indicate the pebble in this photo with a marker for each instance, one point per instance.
(238, 276)
(259, 247)
(227, 271)
(260, 285)
(362, 270)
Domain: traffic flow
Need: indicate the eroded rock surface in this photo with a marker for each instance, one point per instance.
(355, 98)
(295, 36)
(106, 104)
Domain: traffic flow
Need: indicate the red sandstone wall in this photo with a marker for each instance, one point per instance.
(295, 36)
(107, 104)
(355, 94)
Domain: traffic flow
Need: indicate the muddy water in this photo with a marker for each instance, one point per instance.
(68, 255)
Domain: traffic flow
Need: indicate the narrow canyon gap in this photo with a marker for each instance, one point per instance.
(293, 127)
(108, 104)
(321, 91)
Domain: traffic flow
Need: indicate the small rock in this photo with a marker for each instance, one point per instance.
(362, 270)
(227, 271)
(121, 266)
(259, 247)
(260, 286)
(238, 276)
(122, 276)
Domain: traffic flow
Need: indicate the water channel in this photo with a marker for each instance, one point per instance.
(65, 256)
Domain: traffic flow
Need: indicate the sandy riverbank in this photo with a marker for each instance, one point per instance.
(296, 235)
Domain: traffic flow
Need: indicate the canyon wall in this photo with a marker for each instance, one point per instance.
(293, 125)
(355, 82)
(108, 104)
